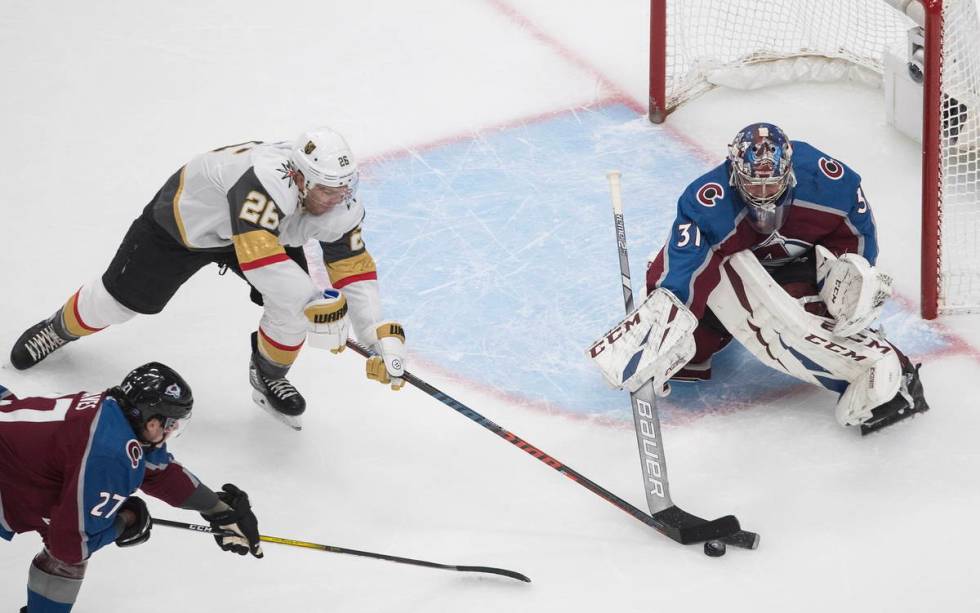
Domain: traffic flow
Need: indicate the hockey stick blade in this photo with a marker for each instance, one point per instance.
(503, 572)
(686, 528)
(398, 559)
(743, 539)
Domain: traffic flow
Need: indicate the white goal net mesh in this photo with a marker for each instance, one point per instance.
(754, 43)
(959, 246)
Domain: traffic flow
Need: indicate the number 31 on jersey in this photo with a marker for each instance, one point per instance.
(686, 237)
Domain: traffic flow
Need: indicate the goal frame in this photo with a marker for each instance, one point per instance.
(931, 134)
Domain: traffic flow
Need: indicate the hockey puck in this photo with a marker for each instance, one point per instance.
(715, 549)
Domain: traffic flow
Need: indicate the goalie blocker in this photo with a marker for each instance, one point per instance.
(877, 384)
(653, 342)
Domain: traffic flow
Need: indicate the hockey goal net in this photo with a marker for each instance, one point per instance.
(699, 44)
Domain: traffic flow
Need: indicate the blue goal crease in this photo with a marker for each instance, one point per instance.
(499, 255)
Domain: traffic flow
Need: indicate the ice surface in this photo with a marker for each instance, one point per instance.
(486, 130)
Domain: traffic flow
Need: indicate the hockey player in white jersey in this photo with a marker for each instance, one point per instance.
(249, 208)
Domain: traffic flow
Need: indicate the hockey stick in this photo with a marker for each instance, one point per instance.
(646, 421)
(354, 552)
(672, 523)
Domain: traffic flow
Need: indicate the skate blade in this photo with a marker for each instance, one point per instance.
(294, 422)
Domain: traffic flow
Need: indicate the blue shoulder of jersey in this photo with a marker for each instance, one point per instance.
(113, 470)
(823, 180)
(709, 201)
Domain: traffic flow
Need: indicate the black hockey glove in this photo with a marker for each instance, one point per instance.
(239, 520)
(137, 531)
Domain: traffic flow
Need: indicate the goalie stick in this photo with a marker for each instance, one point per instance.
(674, 522)
(354, 552)
(646, 421)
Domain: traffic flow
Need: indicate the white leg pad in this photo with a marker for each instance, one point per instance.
(876, 386)
(775, 327)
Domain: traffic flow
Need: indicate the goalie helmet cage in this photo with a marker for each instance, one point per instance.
(695, 44)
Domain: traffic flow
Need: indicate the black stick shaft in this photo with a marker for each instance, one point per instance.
(353, 552)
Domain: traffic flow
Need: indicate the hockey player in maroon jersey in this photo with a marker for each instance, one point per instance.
(249, 207)
(774, 247)
(69, 467)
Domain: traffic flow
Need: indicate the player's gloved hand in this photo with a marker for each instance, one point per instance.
(237, 519)
(853, 290)
(328, 322)
(388, 367)
(137, 520)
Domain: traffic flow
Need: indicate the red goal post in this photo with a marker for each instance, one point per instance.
(696, 45)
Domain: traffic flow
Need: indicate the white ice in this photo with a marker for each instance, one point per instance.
(100, 101)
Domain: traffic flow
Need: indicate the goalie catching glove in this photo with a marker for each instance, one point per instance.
(653, 342)
(852, 289)
(389, 366)
(329, 325)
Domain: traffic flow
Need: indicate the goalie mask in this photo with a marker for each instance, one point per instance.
(325, 159)
(761, 164)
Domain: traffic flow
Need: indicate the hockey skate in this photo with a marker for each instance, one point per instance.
(38, 342)
(909, 400)
(274, 393)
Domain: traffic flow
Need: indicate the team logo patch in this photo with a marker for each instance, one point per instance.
(710, 194)
(309, 148)
(831, 168)
(135, 452)
(778, 249)
(173, 390)
(289, 173)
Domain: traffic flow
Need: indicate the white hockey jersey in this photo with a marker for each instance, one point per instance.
(244, 197)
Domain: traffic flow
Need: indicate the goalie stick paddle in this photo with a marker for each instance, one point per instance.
(646, 422)
(672, 522)
(503, 572)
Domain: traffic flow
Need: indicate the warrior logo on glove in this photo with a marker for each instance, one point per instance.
(388, 368)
